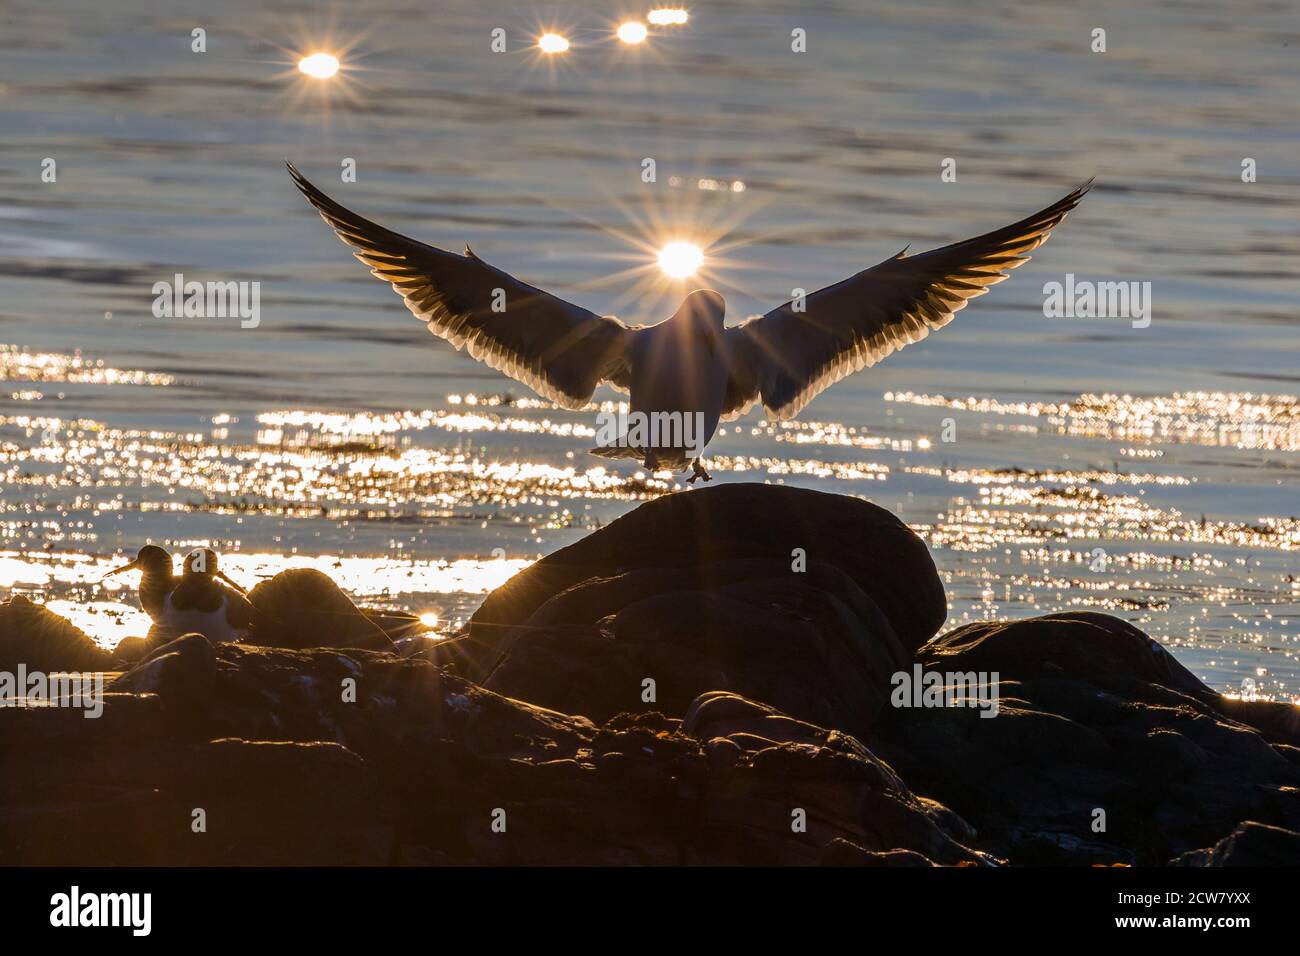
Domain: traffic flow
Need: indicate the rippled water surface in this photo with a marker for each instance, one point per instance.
(1147, 472)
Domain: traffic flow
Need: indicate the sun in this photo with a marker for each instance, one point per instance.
(680, 260)
(320, 66)
(670, 240)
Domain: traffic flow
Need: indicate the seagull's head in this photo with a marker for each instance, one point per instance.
(702, 308)
(700, 317)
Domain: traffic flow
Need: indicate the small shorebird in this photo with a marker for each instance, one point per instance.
(690, 365)
(201, 599)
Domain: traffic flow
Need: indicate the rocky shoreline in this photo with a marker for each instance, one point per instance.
(712, 679)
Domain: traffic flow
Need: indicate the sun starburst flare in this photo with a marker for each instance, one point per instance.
(680, 259)
(320, 66)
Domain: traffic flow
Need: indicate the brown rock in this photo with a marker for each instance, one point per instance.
(1093, 715)
(812, 644)
(302, 608)
(41, 640)
(707, 527)
(416, 766)
(1250, 844)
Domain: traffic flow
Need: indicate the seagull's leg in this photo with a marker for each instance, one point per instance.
(697, 471)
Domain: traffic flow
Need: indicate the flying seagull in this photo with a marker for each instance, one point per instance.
(690, 366)
(198, 600)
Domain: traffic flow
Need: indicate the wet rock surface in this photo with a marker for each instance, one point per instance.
(771, 737)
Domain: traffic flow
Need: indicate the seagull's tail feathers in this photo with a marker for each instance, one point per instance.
(618, 452)
(656, 459)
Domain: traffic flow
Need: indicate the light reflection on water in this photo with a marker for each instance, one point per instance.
(1221, 419)
(1010, 541)
(108, 613)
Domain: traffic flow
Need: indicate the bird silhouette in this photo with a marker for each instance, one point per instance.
(201, 599)
(691, 366)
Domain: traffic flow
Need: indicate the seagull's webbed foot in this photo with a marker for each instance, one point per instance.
(697, 471)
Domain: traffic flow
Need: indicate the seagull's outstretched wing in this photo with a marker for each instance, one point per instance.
(785, 358)
(558, 349)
